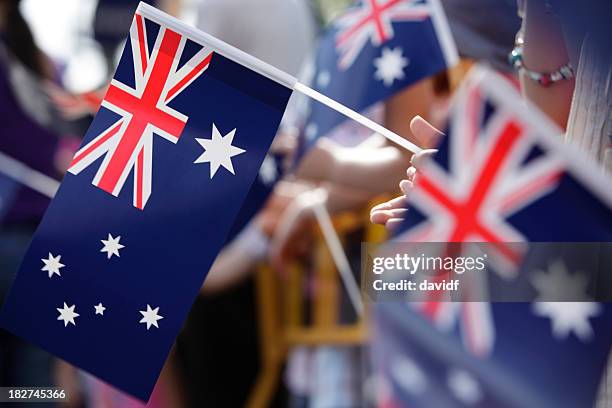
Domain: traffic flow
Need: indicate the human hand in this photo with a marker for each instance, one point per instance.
(391, 213)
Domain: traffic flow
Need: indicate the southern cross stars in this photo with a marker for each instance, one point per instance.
(219, 151)
(150, 317)
(67, 314)
(111, 246)
(100, 309)
(52, 265)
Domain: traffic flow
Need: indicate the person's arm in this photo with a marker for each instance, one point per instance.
(375, 170)
(545, 50)
(236, 260)
(372, 167)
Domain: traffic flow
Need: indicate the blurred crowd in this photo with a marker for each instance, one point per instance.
(273, 324)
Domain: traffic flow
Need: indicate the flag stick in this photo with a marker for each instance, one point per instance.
(270, 71)
(27, 176)
(370, 124)
(317, 199)
(340, 259)
(314, 202)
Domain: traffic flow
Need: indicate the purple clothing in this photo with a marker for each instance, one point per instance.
(27, 141)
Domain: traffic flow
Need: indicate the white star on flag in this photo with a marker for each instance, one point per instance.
(568, 317)
(218, 151)
(100, 309)
(111, 246)
(409, 375)
(390, 65)
(557, 284)
(554, 289)
(268, 171)
(52, 265)
(464, 387)
(150, 317)
(311, 131)
(323, 79)
(67, 314)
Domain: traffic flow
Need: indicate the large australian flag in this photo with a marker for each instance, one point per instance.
(372, 51)
(147, 203)
(502, 178)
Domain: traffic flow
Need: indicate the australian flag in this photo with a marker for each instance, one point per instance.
(270, 172)
(502, 177)
(8, 191)
(148, 202)
(373, 50)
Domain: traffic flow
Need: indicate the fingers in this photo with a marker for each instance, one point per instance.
(397, 202)
(381, 213)
(424, 131)
(392, 213)
(420, 158)
(381, 217)
(410, 173)
(406, 186)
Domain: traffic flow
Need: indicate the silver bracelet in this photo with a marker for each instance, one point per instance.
(545, 79)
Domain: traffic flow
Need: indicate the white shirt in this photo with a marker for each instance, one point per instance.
(279, 32)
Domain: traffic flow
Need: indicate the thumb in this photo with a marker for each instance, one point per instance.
(422, 157)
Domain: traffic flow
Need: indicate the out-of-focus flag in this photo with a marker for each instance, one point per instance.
(8, 190)
(148, 202)
(503, 177)
(533, 364)
(373, 50)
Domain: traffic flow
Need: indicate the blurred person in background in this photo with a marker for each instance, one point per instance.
(30, 134)
(353, 166)
(564, 56)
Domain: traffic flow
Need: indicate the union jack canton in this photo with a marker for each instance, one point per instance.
(127, 145)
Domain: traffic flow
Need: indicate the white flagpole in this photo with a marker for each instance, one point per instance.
(314, 201)
(270, 71)
(27, 176)
(370, 124)
(340, 259)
